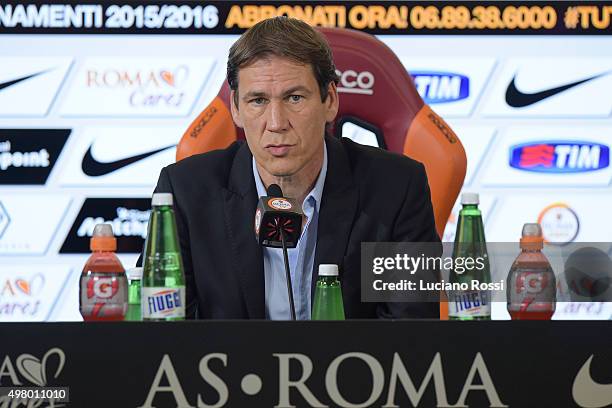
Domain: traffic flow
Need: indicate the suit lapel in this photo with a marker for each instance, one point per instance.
(240, 203)
(337, 212)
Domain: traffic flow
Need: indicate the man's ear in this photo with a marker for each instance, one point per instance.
(331, 103)
(234, 109)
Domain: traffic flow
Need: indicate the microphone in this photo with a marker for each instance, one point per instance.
(274, 214)
(278, 224)
(588, 273)
(275, 191)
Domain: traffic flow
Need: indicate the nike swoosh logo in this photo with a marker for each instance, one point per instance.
(518, 99)
(16, 81)
(94, 168)
(587, 392)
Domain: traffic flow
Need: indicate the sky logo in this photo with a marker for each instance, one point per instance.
(441, 87)
(560, 156)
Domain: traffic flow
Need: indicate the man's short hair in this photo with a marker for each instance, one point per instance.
(283, 37)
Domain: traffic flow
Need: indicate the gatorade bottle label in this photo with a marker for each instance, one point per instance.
(163, 303)
(103, 296)
(472, 304)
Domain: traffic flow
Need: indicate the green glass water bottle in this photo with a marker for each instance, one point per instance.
(470, 242)
(134, 276)
(163, 278)
(328, 295)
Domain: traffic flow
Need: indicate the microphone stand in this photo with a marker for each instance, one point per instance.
(288, 275)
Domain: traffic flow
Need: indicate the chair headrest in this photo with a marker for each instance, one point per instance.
(374, 87)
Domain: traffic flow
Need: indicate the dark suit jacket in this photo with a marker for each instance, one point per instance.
(369, 195)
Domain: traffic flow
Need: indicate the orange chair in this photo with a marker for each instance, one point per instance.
(376, 93)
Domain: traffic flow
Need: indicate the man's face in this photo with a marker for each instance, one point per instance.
(280, 110)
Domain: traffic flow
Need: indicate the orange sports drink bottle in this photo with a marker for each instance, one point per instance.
(103, 285)
(531, 291)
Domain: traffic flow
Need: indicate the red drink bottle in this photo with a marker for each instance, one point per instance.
(531, 291)
(103, 287)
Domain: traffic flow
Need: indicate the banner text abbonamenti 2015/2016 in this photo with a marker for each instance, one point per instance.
(216, 17)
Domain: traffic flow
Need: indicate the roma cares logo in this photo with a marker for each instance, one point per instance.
(20, 287)
(138, 78)
(175, 78)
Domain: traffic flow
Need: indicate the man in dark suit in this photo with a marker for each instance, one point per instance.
(283, 84)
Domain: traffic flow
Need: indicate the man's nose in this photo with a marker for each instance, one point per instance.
(277, 117)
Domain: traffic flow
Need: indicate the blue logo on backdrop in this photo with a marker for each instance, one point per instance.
(560, 156)
(441, 87)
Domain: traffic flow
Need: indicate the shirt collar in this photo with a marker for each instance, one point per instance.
(317, 190)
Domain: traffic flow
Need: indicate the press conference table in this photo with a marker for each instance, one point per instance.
(350, 364)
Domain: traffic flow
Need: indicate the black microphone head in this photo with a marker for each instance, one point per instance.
(274, 190)
(274, 214)
(588, 273)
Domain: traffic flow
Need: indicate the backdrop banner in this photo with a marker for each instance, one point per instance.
(317, 364)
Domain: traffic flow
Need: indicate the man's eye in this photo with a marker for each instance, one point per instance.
(258, 101)
(295, 98)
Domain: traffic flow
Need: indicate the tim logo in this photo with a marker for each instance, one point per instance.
(441, 87)
(560, 157)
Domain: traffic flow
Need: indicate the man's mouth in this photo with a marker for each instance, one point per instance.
(278, 150)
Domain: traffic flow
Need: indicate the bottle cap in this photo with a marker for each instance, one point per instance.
(161, 199)
(328, 270)
(134, 273)
(532, 237)
(532, 229)
(470, 198)
(103, 238)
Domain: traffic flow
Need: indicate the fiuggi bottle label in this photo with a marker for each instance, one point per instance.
(162, 303)
(469, 304)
